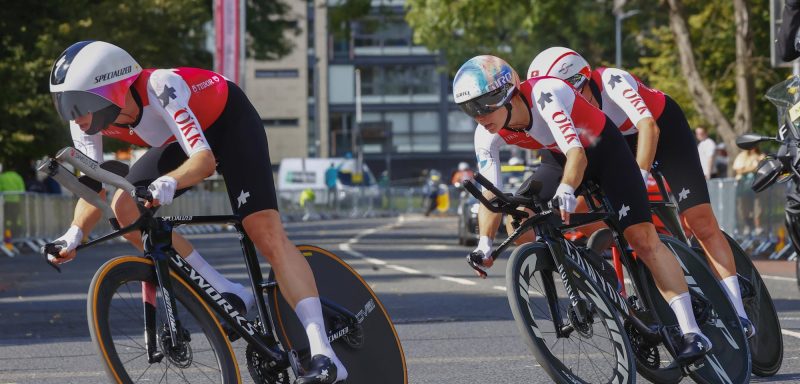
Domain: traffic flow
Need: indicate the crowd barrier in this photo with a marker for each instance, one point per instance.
(28, 220)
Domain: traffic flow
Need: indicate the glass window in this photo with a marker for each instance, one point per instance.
(460, 132)
(426, 122)
(276, 73)
(400, 122)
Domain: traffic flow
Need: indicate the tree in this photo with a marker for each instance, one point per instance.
(158, 33)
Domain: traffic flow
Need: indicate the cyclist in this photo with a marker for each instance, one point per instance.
(581, 143)
(657, 132)
(195, 121)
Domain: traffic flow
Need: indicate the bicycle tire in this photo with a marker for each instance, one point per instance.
(729, 360)
(380, 357)
(193, 313)
(533, 259)
(766, 347)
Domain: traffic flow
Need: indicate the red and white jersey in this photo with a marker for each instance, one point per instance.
(561, 119)
(625, 99)
(177, 104)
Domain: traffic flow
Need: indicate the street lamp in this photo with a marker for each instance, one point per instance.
(620, 16)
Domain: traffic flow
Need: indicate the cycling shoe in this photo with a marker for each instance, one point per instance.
(695, 345)
(235, 301)
(748, 327)
(322, 370)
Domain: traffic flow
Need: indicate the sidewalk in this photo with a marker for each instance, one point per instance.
(780, 268)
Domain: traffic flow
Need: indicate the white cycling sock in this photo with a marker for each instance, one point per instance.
(219, 282)
(484, 245)
(309, 311)
(682, 306)
(731, 284)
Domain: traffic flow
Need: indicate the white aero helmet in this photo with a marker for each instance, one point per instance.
(484, 84)
(562, 63)
(92, 76)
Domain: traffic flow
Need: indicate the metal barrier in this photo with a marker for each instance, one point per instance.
(32, 219)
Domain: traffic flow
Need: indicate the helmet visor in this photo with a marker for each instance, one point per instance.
(577, 80)
(72, 104)
(487, 103)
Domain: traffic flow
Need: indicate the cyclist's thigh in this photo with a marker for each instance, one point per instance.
(612, 165)
(678, 160)
(155, 163)
(240, 144)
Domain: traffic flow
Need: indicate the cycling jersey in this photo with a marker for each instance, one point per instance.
(175, 103)
(624, 98)
(560, 120)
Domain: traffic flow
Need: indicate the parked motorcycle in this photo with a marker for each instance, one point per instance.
(783, 165)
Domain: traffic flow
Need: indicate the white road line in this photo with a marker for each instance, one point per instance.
(499, 288)
(403, 269)
(790, 333)
(778, 278)
(456, 280)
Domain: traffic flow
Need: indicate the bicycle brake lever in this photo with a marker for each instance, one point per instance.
(54, 250)
(475, 261)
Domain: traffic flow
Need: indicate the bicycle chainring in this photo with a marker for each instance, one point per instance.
(260, 370)
(646, 353)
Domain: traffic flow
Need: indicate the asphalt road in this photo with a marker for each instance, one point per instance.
(454, 327)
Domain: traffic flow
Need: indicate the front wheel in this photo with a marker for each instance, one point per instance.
(116, 322)
(583, 343)
(370, 349)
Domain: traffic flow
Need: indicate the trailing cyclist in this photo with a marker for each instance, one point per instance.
(580, 144)
(657, 132)
(195, 121)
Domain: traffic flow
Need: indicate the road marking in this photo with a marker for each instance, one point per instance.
(499, 288)
(346, 247)
(778, 278)
(790, 333)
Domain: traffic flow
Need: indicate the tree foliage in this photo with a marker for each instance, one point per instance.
(517, 31)
(158, 33)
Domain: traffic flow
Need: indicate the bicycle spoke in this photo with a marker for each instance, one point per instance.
(145, 371)
(135, 357)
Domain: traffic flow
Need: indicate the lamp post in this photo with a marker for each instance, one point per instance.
(619, 17)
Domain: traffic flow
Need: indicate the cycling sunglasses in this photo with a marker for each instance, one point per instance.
(577, 80)
(487, 103)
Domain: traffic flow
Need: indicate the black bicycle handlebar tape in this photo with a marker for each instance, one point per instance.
(92, 169)
(52, 249)
(69, 181)
(491, 187)
(474, 191)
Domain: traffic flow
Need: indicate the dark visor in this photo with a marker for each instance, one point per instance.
(72, 104)
(486, 103)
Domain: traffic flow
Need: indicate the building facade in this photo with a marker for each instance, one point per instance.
(408, 120)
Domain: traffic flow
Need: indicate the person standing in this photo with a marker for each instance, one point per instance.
(331, 176)
(706, 149)
(748, 205)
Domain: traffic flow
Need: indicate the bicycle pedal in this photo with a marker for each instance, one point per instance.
(294, 361)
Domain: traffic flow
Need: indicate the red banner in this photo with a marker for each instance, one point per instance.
(227, 23)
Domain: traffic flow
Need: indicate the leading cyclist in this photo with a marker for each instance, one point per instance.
(195, 121)
(657, 132)
(547, 113)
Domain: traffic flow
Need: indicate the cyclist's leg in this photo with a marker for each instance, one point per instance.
(240, 144)
(154, 163)
(613, 165)
(685, 176)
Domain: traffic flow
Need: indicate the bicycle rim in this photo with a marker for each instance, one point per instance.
(596, 351)
(116, 322)
(766, 347)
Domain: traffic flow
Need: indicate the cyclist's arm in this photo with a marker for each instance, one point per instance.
(558, 119)
(172, 94)
(647, 142)
(87, 215)
(574, 167)
(622, 88)
(487, 150)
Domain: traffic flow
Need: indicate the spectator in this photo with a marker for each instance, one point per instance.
(11, 185)
(720, 161)
(462, 174)
(331, 176)
(748, 205)
(706, 148)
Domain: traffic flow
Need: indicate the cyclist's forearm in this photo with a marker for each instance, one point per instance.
(647, 142)
(488, 221)
(194, 170)
(574, 167)
(87, 215)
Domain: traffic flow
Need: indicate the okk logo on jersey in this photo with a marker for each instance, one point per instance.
(188, 126)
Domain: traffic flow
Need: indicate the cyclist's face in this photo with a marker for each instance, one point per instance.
(493, 121)
(84, 121)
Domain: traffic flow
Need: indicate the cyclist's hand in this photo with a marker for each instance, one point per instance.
(65, 245)
(565, 195)
(163, 190)
(645, 176)
(479, 262)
